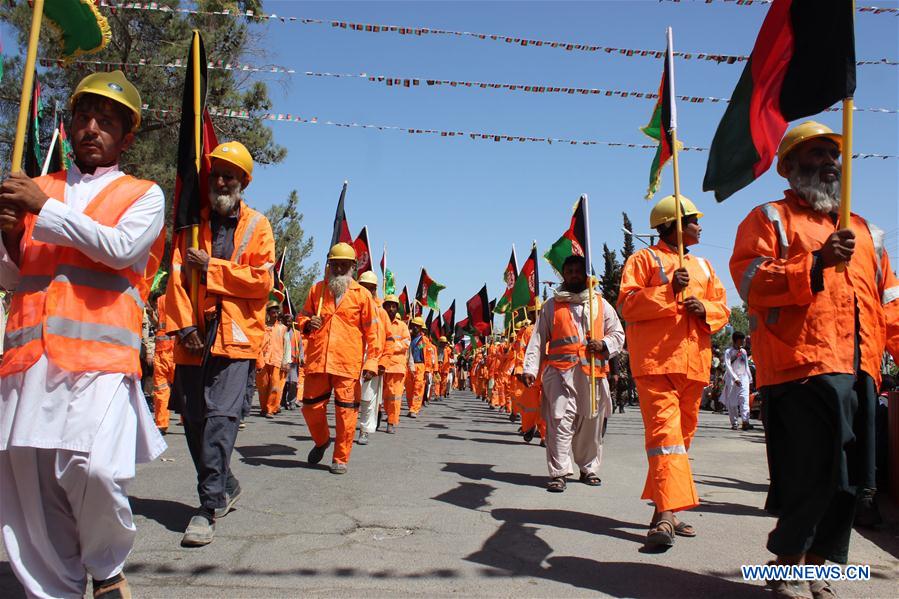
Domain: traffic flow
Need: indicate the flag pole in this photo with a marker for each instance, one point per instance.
(846, 176)
(18, 148)
(321, 296)
(384, 274)
(590, 297)
(677, 197)
(198, 144)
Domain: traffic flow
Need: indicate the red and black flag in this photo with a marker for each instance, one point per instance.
(435, 326)
(663, 120)
(404, 303)
(363, 253)
(528, 283)
(480, 317)
(510, 274)
(427, 291)
(449, 320)
(34, 159)
(341, 232)
(192, 179)
(803, 61)
(573, 241)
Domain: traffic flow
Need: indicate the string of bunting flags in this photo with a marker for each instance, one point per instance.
(413, 81)
(876, 10)
(474, 135)
(420, 31)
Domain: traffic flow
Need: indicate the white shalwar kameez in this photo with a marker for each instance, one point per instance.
(736, 397)
(69, 441)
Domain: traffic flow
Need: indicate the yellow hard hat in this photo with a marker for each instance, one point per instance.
(272, 304)
(391, 298)
(664, 211)
(114, 86)
(237, 154)
(369, 278)
(342, 251)
(418, 320)
(442, 339)
(801, 133)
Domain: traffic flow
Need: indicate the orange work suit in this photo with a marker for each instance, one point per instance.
(444, 363)
(415, 376)
(671, 355)
(395, 361)
(528, 397)
(430, 368)
(163, 368)
(347, 343)
(270, 374)
(797, 331)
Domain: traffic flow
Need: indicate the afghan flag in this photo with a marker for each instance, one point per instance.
(509, 276)
(404, 303)
(61, 157)
(573, 241)
(449, 320)
(462, 329)
(84, 30)
(279, 270)
(192, 179)
(803, 61)
(479, 316)
(363, 254)
(341, 232)
(427, 291)
(435, 326)
(527, 284)
(34, 157)
(663, 120)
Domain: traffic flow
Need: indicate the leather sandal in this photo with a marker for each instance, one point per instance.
(682, 529)
(556, 484)
(590, 479)
(661, 534)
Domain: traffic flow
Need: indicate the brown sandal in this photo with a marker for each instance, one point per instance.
(661, 534)
(112, 588)
(682, 529)
(556, 485)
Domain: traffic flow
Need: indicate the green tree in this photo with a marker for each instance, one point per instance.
(738, 321)
(159, 37)
(611, 275)
(628, 247)
(287, 225)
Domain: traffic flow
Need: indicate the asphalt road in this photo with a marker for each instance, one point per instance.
(455, 504)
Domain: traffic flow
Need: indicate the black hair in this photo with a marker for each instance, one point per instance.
(576, 260)
(738, 335)
(90, 101)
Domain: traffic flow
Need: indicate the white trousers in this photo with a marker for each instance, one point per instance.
(573, 434)
(371, 403)
(65, 514)
(736, 399)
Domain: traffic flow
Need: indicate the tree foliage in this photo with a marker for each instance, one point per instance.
(611, 275)
(628, 247)
(738, 321)
(287, 225)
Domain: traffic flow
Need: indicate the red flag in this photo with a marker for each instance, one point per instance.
(435, 328)
(363, 254)
(449, 320)
(404, 303)
(341, 232)
(479, 315)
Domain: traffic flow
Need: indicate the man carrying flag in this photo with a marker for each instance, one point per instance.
(214, 356)
(80, 250)
(415, 373)
(671, 313)
(370, 391)
(819, 338)
(343, 343)
(532, 421)
(394, 362)
(561, 347)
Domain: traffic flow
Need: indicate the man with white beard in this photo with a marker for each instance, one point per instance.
(216, 350)
(818, 335)
(343, 341)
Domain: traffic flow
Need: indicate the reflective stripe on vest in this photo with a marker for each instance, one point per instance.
(568, 350)
(890, 295)
(662, 275)
(666, 450)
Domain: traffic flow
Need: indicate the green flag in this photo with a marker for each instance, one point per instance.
(389, 283)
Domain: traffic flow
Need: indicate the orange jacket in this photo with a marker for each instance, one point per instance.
(272, 351)
(241, 285)
(661, 336)
(430, 355)
(383, 324)
(349, 340)
(444, 359)
(84, 315)
(798, 332)
(520, 346)
(164, 342)
(395, 357)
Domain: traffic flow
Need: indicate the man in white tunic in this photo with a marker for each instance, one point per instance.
(737, 381)
(70, 435)
(561, 345)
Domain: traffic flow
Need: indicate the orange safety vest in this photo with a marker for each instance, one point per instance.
(164, 342)
(84, 315)
(566, 348)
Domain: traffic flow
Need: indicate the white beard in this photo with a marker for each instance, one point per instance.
(822, 197)
(339, 285)
(224, 204)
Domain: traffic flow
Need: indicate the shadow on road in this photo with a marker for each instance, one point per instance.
(485, 472)
(731, 483)
(174, 515)
(467, 495)
(731, 509)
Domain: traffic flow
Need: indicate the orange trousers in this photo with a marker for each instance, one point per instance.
(529, 406)
(316, 393)
(393, 395)
(515, 392)
(498, 398)
(301, 379)
(269, 383)
(670, 408)
(163, 377)
(415, 388)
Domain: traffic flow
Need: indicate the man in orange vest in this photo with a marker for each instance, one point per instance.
(163, 368)
(415, 374)
(370, 391)
(340, 320)
(824, 304)
(219, 340)
(532, 421)
(271, 367)
(444, 364)
(671, 314)
(80, 248)
(293, 347)
(560, 344)
(394, 362)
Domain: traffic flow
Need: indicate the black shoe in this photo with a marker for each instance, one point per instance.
(867, 514)
(529, 435)
(318, 452)
(747, 426)
(230, 499)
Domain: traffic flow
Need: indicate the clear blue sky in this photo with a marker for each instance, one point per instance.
(456, 205)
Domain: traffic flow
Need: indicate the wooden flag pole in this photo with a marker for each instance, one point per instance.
(18, 148)
(677, 201)
(846, 176)
(198, 149)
